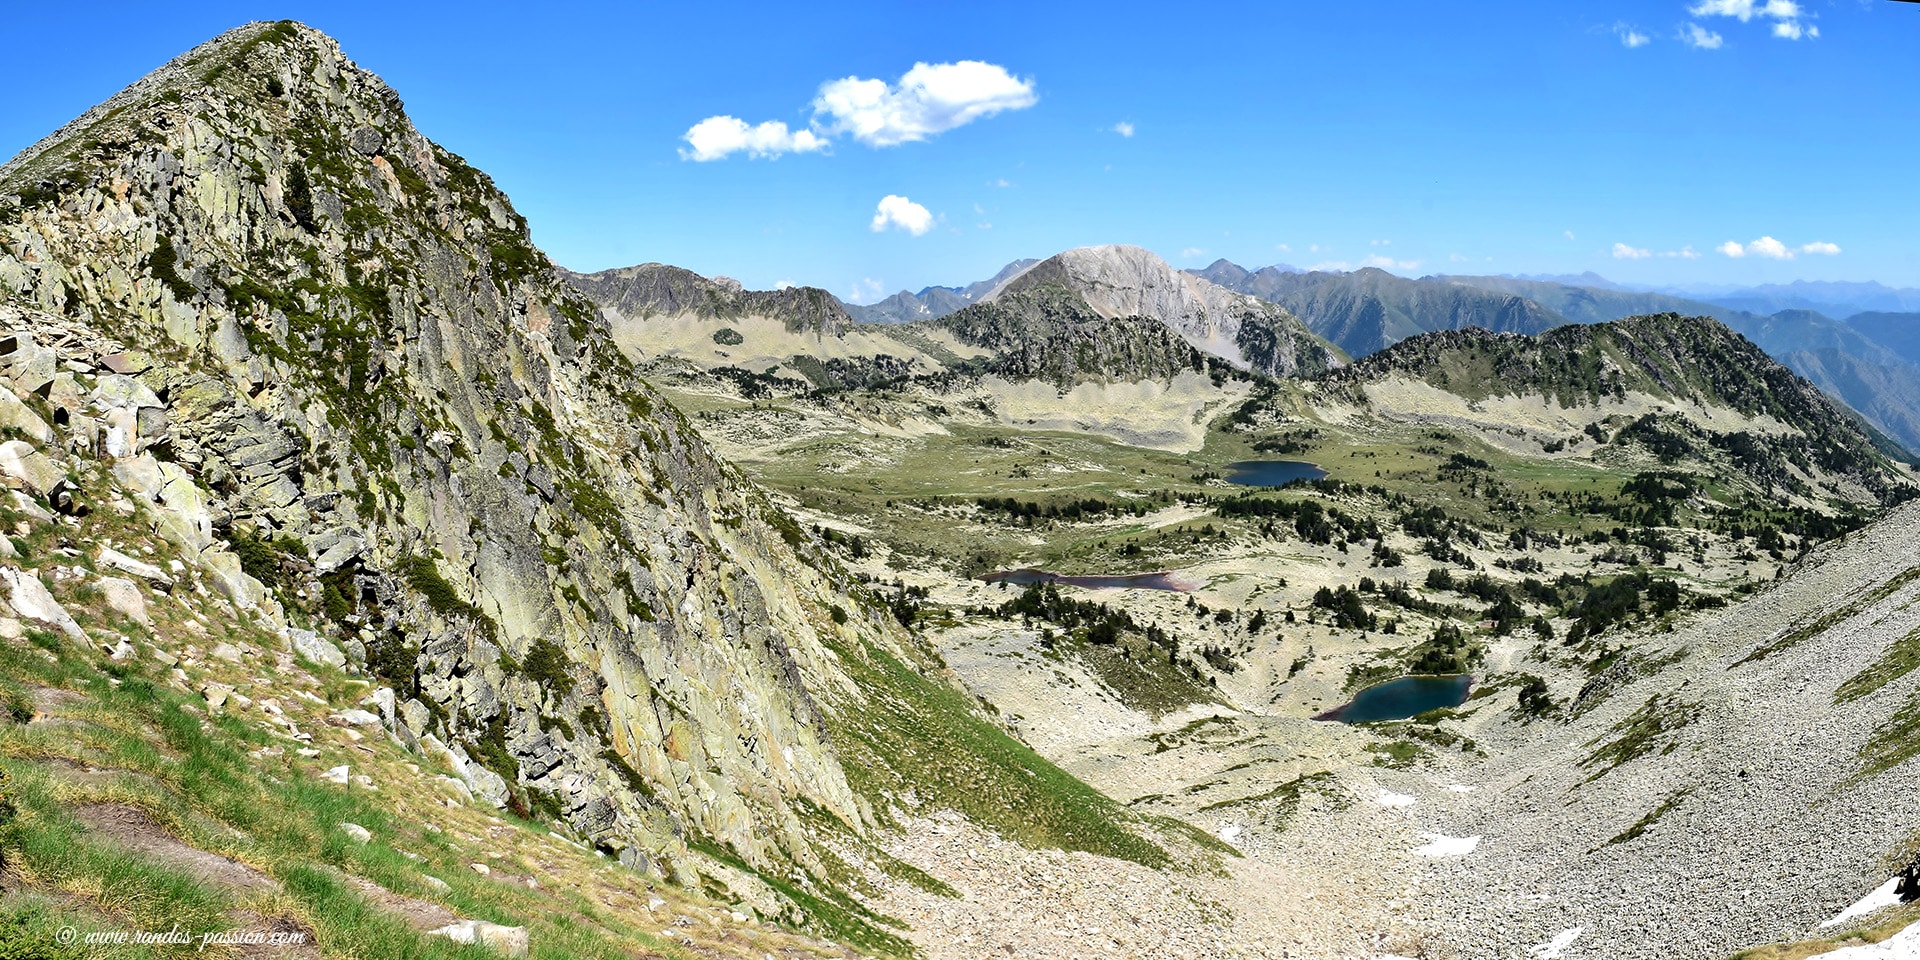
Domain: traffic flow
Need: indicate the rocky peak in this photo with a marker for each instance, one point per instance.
(1127, 281)
(649, 290)
(352, 366)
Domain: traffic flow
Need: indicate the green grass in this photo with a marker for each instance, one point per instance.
(919, 734)
(1900, 659)
(1652, 817)
(1832, 618)
(1649, 728)
(195, 779)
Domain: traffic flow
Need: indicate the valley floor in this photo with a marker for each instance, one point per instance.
(1745, 825)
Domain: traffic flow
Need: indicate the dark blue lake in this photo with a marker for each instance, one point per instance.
(1403, 698)
(1272, 473)
(1131, 581)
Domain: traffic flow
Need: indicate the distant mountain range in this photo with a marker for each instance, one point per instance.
(932, 303)
(1091, 313)
(1873, 366)
(1279, 320)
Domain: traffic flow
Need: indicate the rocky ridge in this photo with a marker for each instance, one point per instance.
(326, 341)
(1123, 281)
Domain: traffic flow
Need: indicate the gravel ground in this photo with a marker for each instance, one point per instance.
(1764, 836)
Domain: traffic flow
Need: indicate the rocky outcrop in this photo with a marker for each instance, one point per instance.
(658, 290)
(323, 350)
(1124, 281)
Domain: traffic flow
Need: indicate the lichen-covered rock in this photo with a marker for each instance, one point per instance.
(123, 596)
(359, 389)
(30, 599)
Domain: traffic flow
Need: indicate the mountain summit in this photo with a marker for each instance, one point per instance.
(1123, 281)
(429, 455)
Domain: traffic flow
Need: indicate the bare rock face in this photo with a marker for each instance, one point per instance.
(363, 376)
(1126, 281)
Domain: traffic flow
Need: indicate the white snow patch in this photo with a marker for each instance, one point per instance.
(1229, 832)
(1460, 788)
(1552, 949)
(1441, 845)
(1387, 798)
(1390, 956)
(1901, 946)
(1882, 896)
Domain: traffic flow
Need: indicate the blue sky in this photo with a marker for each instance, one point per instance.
(1491, 137)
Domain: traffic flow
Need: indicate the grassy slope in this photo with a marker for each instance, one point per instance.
(233, 782)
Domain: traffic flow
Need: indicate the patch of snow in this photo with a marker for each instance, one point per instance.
(1901, 946)
(1441, 845)
(1460, 788)
(1387, 798)
(1552, 949)
(1882, 896)
(1229, 832)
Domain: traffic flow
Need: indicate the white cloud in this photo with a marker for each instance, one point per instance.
(1629, 37)
(1786, 15)
(1123, 128)
(1191, 252)
(1382, 243)
(900, 213)
(783, 284)
(931, 98)
(1773, 249)
(1746, 10)
(1623, 252)
(716, 137)
(1700, 38)
(865, 290)
(1684, 253)
(1569, 234)
(1002, 183)
(1283, 248)
(1456, 258)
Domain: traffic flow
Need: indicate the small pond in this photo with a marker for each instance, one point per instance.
(1403, 698)
(1272, 473)
(1131, 581)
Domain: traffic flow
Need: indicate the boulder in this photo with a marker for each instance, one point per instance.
(30, 599)
(119, 392)
(336, 775)
(131, 363)
(19, 460)
(15, 415)
(123, 596)
(366, 141)
(356, 832)
(32, 368)
(231, 581)
(354, 718)
(315, 647)
(110, 557)
(415, 717)
(511, 941)
(382, 701)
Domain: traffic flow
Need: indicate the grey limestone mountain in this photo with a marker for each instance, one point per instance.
(653, 289)
(1123, 281)
(1369, 309)
(932, 303)
(357, 367)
